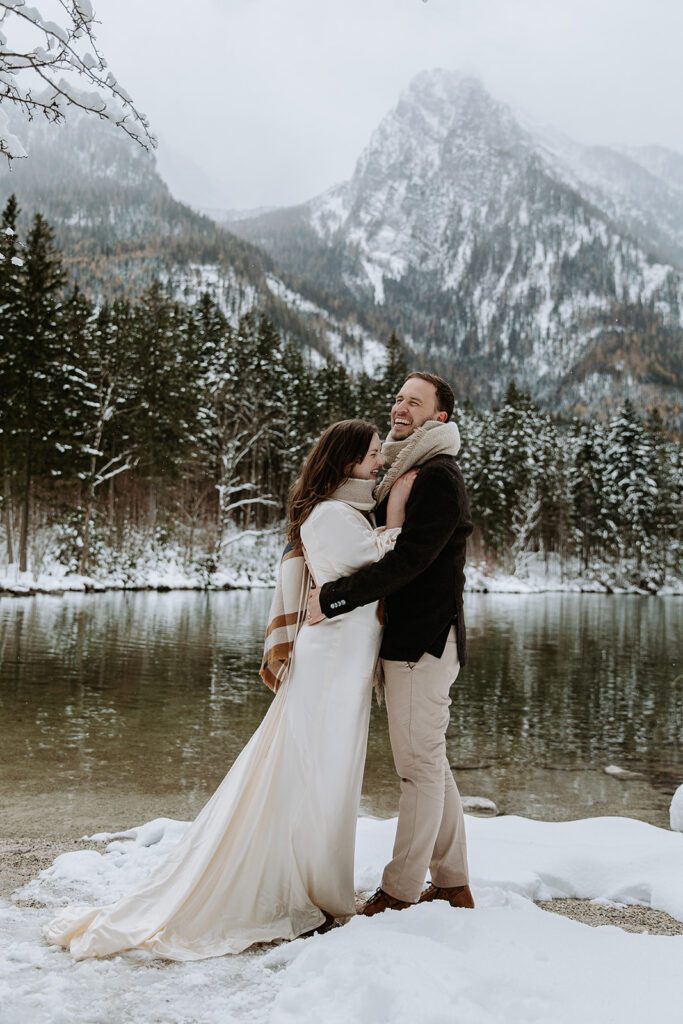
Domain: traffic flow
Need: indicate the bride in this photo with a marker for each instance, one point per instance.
(270, 856)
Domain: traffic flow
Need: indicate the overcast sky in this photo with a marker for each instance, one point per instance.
(269, 102)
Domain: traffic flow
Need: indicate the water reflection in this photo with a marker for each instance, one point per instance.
(122, 706)
(572, 680)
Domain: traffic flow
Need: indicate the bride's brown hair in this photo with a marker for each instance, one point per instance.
(327, 465)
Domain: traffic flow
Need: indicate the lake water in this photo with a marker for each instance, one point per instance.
(117, 708)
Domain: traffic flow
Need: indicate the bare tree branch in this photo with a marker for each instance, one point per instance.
(63, 69)
(248, 501)
(110, 470)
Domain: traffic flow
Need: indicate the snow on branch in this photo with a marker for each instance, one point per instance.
(248, 501)
(118, 464)
(60, 67)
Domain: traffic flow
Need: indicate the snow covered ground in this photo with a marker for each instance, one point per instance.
(253, 562)
(507, 962)
(250, 560)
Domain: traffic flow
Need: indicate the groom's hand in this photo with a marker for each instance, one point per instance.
(315, 612)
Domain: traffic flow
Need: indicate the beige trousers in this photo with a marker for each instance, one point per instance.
(431, 827)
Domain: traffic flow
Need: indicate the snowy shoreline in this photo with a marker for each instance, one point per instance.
(166, 577)
(508, 960)
(250, 561)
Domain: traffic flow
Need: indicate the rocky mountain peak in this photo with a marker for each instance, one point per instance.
(498, 249)
(445, 129)
(457, 103)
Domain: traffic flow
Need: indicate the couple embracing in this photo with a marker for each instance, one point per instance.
(270, 856)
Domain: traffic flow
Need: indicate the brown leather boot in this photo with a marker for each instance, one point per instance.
(381, 901)
(457, 895)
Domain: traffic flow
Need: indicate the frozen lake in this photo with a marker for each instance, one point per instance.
(117, 708)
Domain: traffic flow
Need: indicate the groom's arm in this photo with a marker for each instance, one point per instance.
(433, 513)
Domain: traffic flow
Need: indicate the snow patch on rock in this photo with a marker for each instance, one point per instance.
(478, 805)
(676, 810)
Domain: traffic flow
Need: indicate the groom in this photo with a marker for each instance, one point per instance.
(423, 645)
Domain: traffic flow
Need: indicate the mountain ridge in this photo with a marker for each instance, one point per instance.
(120, 229)
(498, 249)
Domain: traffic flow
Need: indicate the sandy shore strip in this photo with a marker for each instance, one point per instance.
(629, 919)
(21, 859)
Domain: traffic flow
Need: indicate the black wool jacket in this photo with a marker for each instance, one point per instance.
(423, 578)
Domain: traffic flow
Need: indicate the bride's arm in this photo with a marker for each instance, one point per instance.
(439, 508)
(344, 538)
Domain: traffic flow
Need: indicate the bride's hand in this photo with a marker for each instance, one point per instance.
(396, 506)
(315, 612)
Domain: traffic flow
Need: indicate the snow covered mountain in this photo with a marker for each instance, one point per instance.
(120, 229)
(494, 247)
(641, 188)
(498, 249)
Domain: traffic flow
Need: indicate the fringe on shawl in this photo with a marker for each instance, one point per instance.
(287, 615)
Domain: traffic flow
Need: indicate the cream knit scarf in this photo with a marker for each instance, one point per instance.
(356, 493)
(432, 438)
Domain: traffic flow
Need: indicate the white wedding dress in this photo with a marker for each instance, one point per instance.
(273, 848)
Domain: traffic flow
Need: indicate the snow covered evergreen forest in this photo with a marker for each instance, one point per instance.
(146, 440)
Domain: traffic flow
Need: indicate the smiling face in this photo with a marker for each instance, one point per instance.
(370, 464)
(415, 403)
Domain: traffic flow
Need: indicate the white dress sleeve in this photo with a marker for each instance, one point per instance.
(338, 540)
(385, 539)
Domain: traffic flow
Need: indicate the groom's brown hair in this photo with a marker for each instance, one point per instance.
(445, 399)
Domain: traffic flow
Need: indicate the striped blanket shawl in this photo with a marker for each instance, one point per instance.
(287, 615)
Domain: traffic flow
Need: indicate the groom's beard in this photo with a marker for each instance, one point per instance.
(392, 435)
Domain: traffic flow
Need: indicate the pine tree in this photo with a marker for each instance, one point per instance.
(551, 490)
(482, 469)
(212, 326)
(206, 330)
(269, 414)
(40, 373)
(10, 312)
(104, 365)
(240, 422)
(73, 439)
(388, 384)
(300, 420)
(334, 393)
(590, 516)
(664, 517)
(632, 491)
(364, 397)
(162, 392)
(511, 464)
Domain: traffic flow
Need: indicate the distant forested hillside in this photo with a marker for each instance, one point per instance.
(133, 424)
(120, 230)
